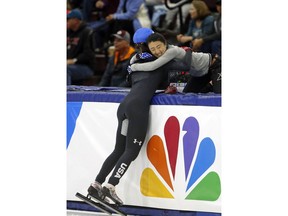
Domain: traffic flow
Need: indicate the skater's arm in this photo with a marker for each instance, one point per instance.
(133, 59)
(183, 65)
(171, 53)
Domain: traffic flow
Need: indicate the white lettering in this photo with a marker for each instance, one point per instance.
(121, 170)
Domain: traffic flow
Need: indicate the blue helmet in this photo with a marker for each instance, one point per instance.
(141, 35)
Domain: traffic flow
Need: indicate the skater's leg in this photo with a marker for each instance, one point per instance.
(119, 149)
(96, 187)
(138, 115)
(137, 106)
(137, 128)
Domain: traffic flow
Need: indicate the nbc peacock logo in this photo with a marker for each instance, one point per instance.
(201, 182)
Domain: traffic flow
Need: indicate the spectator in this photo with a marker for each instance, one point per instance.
(151, 4)
(215, 38)
(80, 55)
(130, 16)
(200, 25)
(128, 11)
(205, 68)
(210, 81)
(172, 18)
(158, 45)
(116, 69)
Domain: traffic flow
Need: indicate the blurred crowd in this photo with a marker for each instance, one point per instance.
(100, 34)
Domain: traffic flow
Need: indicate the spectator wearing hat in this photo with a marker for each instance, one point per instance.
(116, 69)
(80, 54)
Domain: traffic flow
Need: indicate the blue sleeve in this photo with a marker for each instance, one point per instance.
(132, 7)
(191, 26)
(208, 26)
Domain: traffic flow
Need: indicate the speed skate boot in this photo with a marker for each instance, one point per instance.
(109, 191)
(95, 190)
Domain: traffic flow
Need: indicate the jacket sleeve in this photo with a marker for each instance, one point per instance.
(217, 34)
(183, 65)
(133, 59)
(170, 54)
(132, 7)
(207, 26)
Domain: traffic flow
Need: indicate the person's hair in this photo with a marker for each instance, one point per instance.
(156, 37)
(201, 8)
(142, 47)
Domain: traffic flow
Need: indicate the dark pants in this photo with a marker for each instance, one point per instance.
(134, 108)
(216, 47)
(202, 84)
(77, 72)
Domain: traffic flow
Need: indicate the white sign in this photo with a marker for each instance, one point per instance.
(179, 165)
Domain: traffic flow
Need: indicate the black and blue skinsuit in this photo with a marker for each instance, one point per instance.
(134, 112)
